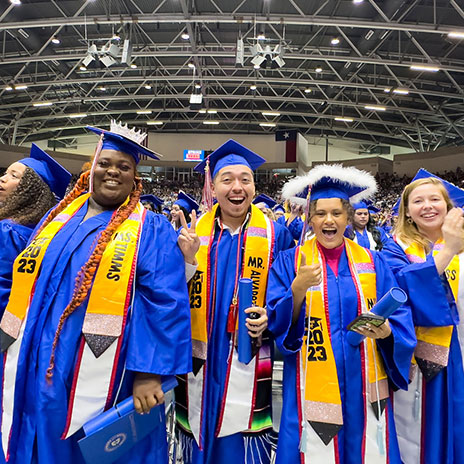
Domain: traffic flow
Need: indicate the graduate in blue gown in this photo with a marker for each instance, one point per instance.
(209, 430)
(185, 204)
(71, 365)
(27, 191)
(313, 429)
(292, 221)
(426, 256)
(363, 230)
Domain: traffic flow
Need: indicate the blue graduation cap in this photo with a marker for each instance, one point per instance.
(366, 205)
(331, 181)
(153, 199)
(166, 211)
(121, 138)
(187, 202)
(229, 154)
(49, 170)
(268, 201)
(278, 208)
(455, 193)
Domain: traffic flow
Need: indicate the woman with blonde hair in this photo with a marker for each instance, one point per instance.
(426, 257)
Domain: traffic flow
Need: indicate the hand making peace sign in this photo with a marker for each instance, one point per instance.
(188, 240)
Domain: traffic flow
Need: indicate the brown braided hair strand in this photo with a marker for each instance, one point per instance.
(85, 276)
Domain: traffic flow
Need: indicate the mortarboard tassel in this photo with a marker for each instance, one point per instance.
(207, 195)
(94, 163)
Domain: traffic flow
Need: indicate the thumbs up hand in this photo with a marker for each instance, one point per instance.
(307, 276)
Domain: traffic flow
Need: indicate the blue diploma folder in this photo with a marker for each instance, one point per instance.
(114, 432)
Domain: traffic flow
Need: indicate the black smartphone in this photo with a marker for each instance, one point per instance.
(363, 319)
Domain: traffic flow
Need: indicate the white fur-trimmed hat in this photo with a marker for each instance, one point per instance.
(330, 181)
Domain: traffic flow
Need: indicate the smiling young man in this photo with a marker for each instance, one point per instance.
(336, 405)
(223, 407)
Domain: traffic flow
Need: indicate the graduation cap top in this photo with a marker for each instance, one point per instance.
(121, 138)
(455, 193)
(49, 170)
(187, 202)
(366, 205)
(268, 201)
(229, 154)
(279, 208)
(157, 202)
(330, 181)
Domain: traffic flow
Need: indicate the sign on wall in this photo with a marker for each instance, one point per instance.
(194, 155)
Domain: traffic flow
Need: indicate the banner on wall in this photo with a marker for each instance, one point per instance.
(194, 155)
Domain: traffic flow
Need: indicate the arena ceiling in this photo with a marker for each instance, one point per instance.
(366, 79)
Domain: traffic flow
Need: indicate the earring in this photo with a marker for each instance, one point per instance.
(409, 220)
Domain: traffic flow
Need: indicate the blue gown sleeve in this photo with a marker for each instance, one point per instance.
(279, 302)
(160, 332)
(295, 228)
(283, 239)
(425, 288)
(383, 235)
(13, 240)
(398, 348)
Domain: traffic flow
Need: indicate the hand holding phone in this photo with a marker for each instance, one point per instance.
(363, 319)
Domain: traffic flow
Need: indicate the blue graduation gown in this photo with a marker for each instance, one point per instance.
(295, 227)
(362, 238)
(396, 352)
(13, 240)
(156, 338)
(228, 449)
(443, 406)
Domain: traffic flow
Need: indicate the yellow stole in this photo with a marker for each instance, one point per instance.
(237, 407)
(110, 290)
(433, 343)
(322, 401)
(256, 261)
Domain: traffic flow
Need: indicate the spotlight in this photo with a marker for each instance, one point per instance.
(318, 69)
(87, 60)
(56, 41)
(279, 61)
(185, 36)
(107, 60)
(335, 41)
(258, 60)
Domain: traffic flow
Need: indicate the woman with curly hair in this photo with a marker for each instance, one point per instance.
(27, 191)
(98, 311)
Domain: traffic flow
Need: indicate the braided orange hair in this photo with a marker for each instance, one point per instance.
(85, 276)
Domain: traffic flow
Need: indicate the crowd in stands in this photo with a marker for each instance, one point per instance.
(390, 187)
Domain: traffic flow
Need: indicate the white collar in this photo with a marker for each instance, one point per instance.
(236, 231)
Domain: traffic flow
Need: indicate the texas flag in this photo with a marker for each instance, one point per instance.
(289, 137)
